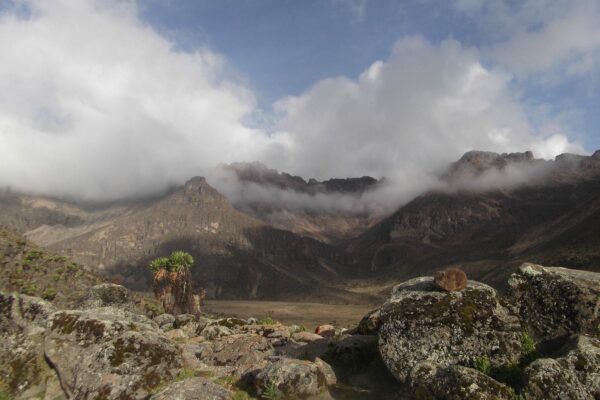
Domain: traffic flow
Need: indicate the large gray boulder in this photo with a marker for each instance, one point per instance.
(243, 352)
(109, 353)
(421, 323)
(292, 378)
(430, 381)
(22, 325)
(107, 295)
(555, 302)
(193, 389)
(574, 373)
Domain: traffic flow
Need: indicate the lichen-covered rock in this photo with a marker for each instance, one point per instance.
(574, 373)
(164, 319)
(421, 323)
(550, 379)
(182, 320)
(557, 301)
(327, 372)
(107, 295)
(239, 351)
(193, 389)
(109, 353)
(369, 324)
(431, 381)
(581, 354)
(212, 332)
(22, 325)
(294, 378)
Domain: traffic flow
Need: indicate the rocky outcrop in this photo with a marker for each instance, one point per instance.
(430, 381)
(421, 323)
(22, 325)
(293, 378)
(109, 353)
(573, 374)
(193, 389)
(107, 295)
(555, 302)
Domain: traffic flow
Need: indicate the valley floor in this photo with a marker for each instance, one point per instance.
(307, 314)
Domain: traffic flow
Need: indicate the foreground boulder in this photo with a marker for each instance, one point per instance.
(555, 302)
(193, 389)
(22, 325)
(109, 353)
(107, 295)
(574, 373)
(430, 381)
(421, 323)
(292, 378)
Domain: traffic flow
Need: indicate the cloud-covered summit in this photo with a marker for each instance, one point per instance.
(96, 104)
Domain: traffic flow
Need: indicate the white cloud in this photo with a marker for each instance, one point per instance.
(417, 111)
(94, 103)
(548, 40)
(356, 8)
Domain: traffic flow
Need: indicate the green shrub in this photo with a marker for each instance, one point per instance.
(32, 255)
(30, 289)
(271, 392)
(49, 294)
(482, 364)
(528, 348)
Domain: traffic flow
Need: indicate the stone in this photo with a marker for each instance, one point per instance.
(306, 337)
(176, 334)
(213, 332)
(431, 381)
(182, 320)
(326, 371)
(555, 302)
(293, 378)
(107, 295)
(574, 372)
(369, 324)
(421, 323)
(109, 353)
(325, 330)
(24, 371)
(164, 319)
(240, 351)
(451, 280)
(549, 379)
(193, 389)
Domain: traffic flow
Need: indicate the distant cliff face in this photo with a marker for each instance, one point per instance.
(554, 219)
(307, 208)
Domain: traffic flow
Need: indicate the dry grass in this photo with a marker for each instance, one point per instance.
(307, 314)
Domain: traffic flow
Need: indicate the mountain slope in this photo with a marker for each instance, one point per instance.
(236, 255)
(552, 220)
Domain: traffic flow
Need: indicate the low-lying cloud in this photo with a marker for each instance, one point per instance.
(95, 104)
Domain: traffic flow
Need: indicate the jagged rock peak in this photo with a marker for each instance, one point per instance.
(198, 189)
(257, 172)
(488, 158)
(596, 155)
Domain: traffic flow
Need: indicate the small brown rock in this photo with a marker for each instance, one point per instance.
(325, 330)
(451, 279)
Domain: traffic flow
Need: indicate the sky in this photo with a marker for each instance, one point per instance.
(103, 99)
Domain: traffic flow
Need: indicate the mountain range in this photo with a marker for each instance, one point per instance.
(272, 235)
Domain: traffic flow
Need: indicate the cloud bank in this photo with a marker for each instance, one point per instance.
(95, 104)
